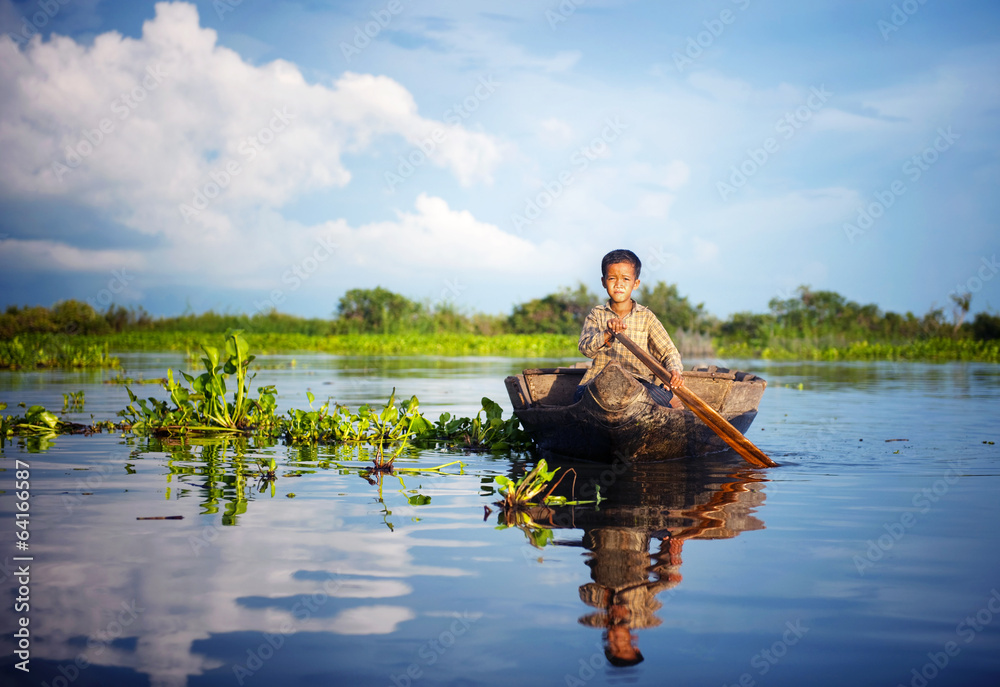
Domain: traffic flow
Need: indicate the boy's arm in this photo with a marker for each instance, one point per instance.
(662, 347)
(593, 337)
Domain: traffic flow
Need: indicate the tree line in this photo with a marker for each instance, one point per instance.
(818, 316)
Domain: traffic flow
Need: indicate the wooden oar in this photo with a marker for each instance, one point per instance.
(702, 410)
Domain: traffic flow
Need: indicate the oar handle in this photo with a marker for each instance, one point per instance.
(704, 412)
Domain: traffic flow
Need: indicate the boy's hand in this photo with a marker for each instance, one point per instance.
(676, 379)
(615, 325)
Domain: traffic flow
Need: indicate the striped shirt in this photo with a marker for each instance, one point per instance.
(642, 327)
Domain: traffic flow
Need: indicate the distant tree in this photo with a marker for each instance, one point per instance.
(986, 326)
(558, 313)
(376, 310)
(814, 311)
(672, 309)
(76, 317)
(962, 302)
(748, 327)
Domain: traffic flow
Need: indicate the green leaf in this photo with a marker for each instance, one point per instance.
(493, 409)
(541, 537)
(419, 500)
(213, 357)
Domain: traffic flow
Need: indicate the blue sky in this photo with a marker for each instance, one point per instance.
(236, 155)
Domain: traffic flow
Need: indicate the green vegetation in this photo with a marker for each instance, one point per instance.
(205, 408)
(823, 325)
(411, 343)
(937, 349)
(55, 350)
(811, 325)
(494, 434)
(522, 492)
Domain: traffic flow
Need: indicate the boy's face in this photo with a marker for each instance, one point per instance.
(620, 281)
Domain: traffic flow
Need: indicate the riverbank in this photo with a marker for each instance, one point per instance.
(31, 351)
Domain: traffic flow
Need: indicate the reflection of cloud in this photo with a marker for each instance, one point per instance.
(370, 620)
(195, 580)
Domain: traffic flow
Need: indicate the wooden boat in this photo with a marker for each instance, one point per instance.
(617, 418)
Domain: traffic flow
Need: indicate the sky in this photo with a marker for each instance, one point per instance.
(242, 155)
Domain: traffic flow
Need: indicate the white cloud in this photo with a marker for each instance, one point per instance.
(704, 251)
(556, 131)
(51, 256)
(437, 237)
(173, 135)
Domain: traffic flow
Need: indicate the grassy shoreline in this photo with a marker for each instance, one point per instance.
(30, 351)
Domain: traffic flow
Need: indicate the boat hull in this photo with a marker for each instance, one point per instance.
(618, 420)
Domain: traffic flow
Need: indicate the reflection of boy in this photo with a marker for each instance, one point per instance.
(620, 275)
(621, 568)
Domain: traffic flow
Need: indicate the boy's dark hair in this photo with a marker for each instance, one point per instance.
(620, 255)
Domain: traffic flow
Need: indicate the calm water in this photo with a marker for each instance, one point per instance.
(861, 560)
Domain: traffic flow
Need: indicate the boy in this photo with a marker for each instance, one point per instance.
(620, 275)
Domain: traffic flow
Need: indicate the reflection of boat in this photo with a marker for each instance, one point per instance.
(617, 417)
(658, 505)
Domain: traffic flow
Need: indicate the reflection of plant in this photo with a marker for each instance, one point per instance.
(523, 510)
(537, 534)
(73, 400)
(415, 498)
(266, 477)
